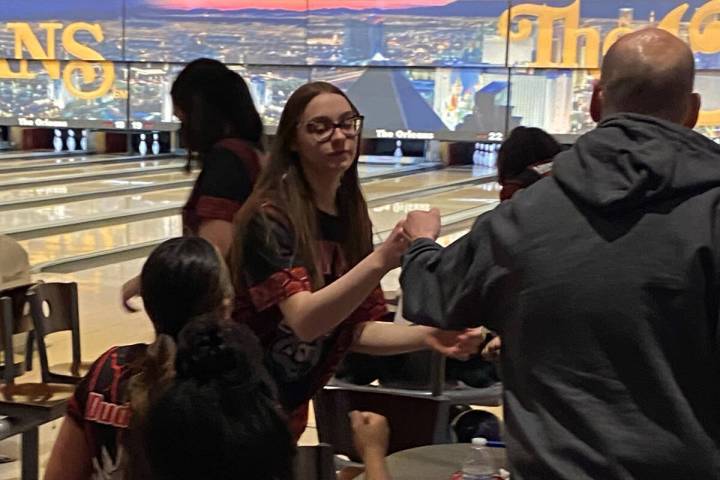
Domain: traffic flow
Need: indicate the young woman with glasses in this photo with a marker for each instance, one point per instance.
(305, 272)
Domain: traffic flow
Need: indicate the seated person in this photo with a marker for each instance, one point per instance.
(222, 405)
(113, 420)
(182, 279)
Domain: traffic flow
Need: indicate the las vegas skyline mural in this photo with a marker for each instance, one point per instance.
(459, 66)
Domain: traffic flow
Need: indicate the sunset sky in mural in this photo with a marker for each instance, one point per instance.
(294, 4)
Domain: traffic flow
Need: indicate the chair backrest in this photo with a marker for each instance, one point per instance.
(14, 320)
(61, 302)
(54, 308)
(16, 309)
(315, 462)
(415, 419)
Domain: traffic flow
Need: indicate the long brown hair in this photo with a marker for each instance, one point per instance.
(182, 279)
(283, 184)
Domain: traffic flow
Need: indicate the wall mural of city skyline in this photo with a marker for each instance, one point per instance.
(440, 66)
(295, 5)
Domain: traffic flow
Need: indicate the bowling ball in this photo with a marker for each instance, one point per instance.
(471, 424)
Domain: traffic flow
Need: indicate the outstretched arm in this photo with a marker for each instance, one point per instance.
(383, 338)
(448, 287)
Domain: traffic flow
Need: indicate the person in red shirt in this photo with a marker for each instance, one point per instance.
(524, 158)
(306, 276)
(223, 129)
(182, 279)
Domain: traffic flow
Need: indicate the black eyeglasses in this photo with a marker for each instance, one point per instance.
(322, 129)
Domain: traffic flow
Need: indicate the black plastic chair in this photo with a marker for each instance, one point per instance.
(14, 321)
(315, 462)
(61, 302)
(416, 417)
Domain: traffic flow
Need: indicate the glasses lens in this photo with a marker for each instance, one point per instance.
(319, 129)
(351, 126)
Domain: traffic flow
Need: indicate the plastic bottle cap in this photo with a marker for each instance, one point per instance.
(479, 442)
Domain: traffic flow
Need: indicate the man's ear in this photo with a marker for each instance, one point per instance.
(693, 113)
(596, 104)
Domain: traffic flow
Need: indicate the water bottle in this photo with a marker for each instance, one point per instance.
(479, 465)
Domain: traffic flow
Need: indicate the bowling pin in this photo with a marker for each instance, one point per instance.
(58, 141)
(156, 144)
(143, 148)
(84, 140)
(71, 142)
(477, 156)
(398, 149)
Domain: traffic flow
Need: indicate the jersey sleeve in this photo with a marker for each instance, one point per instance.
(272, 270)
(372, 308)
(224, 186)
(78, 402)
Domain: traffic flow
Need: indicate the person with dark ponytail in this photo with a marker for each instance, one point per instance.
(223, 129)
(524, 158)
(182, 279)
(223, 406)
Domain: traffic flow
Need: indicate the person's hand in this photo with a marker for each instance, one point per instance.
(371, 434)
(419, 224)
(492, 349)
(457, 344)
(393, 248)
(130, 289)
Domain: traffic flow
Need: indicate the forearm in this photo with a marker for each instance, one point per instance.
(312, 315)
(382, 338)
(421, 284)
(70, 458)
(376, 467)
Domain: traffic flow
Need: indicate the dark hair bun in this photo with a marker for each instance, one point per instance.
(203, 354)
(230, 355)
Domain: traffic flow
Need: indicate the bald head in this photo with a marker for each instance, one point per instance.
(650, 72)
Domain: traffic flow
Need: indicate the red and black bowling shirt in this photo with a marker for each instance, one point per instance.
(100, 406)
(272, 273)
(224, 184)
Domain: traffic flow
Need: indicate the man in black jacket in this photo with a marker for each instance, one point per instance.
(604, 282)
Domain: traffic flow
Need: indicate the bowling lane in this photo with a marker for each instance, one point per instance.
(380, 188)
(75, 160)
(385, 216)
(29, 218)
(7, 180)
(84, 242)
(107, 206)
(366, 170)
(62, 191)
(15, 154)
(110, 185)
